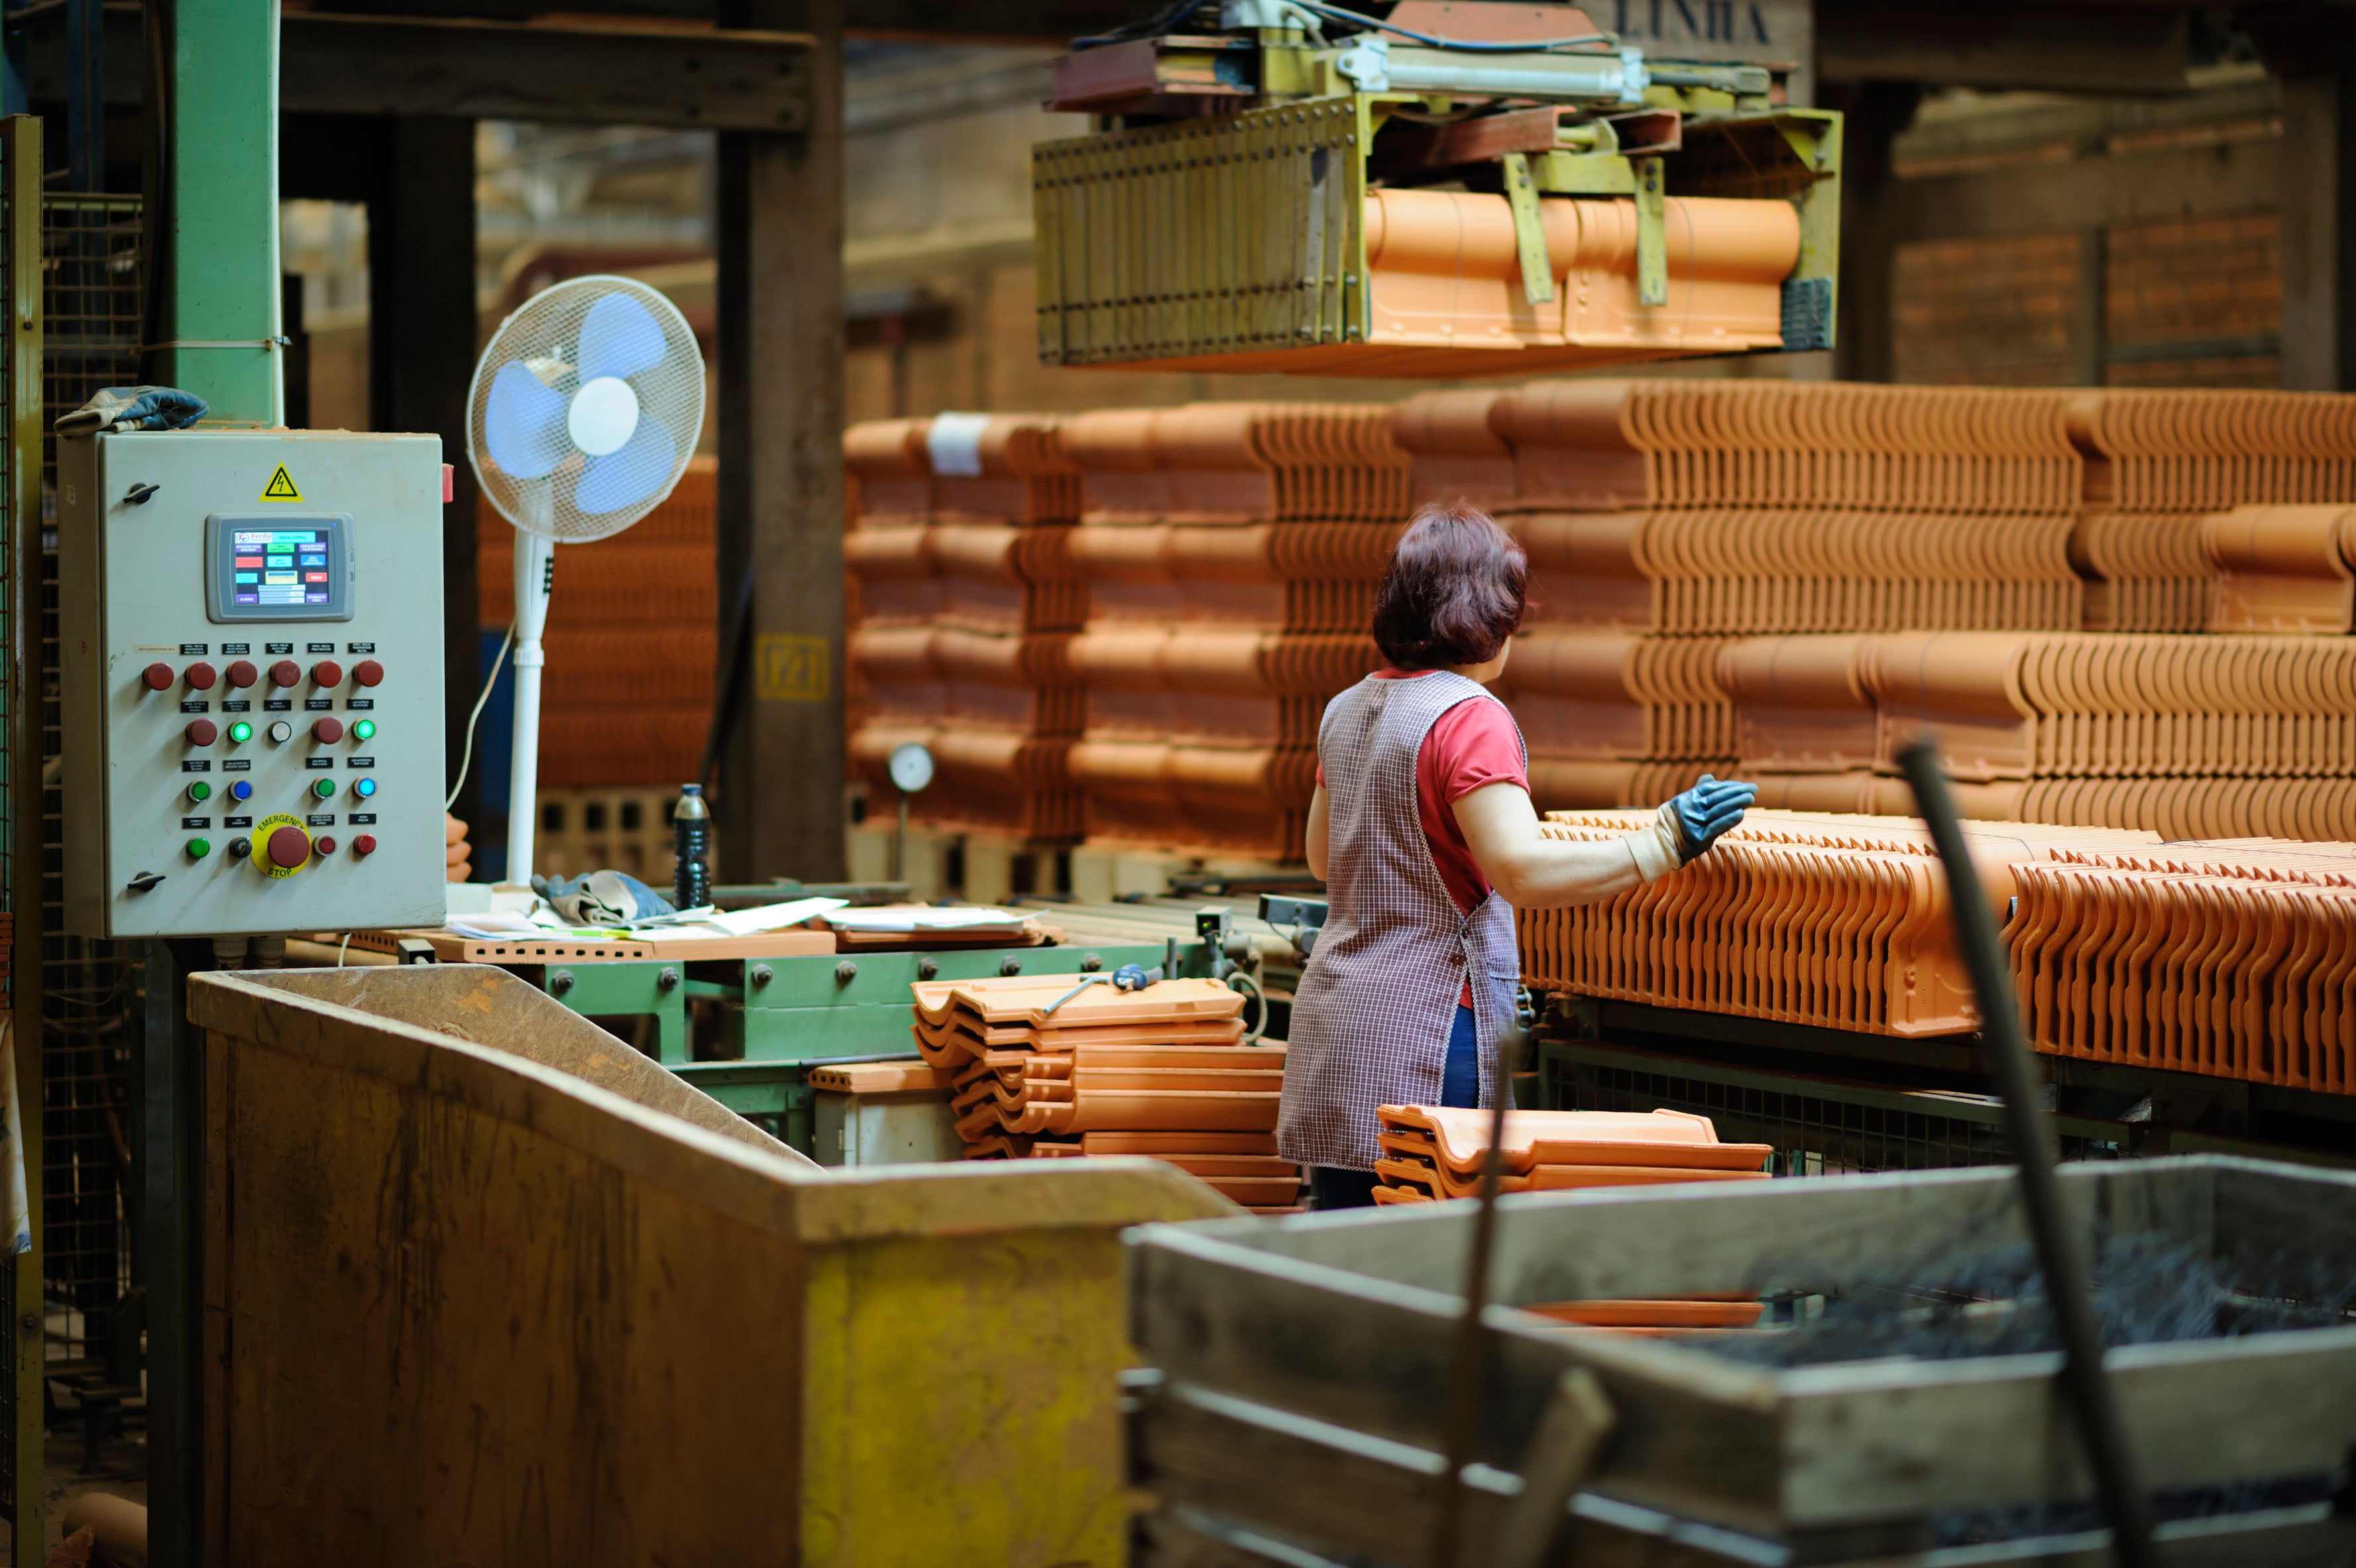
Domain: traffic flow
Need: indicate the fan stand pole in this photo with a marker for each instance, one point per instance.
(535, 577)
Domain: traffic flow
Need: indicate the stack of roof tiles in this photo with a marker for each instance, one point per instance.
(2230, 958)
(1434, 1154)
(632, 639)
(1231, 551)
(1063, 1065)
(2159, 464)
(1430, 1151)
(1663, 519)
(966, 597)
(2197, 736)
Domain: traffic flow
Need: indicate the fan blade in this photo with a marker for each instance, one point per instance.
(523, 424)
(618, 337)
(638, 472)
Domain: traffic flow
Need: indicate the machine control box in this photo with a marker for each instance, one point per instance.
(250, 646)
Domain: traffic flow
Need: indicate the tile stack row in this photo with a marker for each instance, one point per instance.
(965, 599)
(1664, 518)
(632, 641)
(2236, 959)
(2160, 464)
(1231, 551)
(1065, 1065)
(2199, 735)
(1430, 1152)
(1436, 1155)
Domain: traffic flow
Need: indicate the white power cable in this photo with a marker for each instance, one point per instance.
(467, 757)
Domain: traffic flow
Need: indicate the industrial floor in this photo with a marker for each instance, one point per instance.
(63, 1478)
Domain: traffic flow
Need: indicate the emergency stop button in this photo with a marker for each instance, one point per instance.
(289, 847)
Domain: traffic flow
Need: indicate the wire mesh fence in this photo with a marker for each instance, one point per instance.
(92, 301)
(1816, 1126)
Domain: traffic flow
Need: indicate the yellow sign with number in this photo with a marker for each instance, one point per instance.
(793, 668)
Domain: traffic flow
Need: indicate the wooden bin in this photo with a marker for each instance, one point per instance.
(483, 1285)
(1303, 1372)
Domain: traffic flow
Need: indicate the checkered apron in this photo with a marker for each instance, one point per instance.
(1371, 1020)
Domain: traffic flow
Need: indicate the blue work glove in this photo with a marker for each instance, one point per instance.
(133, 408)
(1706, 811)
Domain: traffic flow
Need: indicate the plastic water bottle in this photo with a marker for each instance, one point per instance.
(690, 837)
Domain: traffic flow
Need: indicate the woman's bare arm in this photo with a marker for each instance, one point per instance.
(1531, 871)
(1319, 830)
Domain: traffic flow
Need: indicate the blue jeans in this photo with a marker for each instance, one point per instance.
(1333, 1186)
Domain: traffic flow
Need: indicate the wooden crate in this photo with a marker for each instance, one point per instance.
(648, 1330)
(1304, 1373)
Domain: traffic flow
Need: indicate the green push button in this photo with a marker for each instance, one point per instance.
(323, 787)
(199, 848)
(240, 733)
(364, 730)
(200, 790)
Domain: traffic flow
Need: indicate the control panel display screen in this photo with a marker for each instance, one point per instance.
(279, 568)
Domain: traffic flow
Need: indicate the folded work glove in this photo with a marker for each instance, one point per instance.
(133, 408)
(600, 898)
(1699, 815)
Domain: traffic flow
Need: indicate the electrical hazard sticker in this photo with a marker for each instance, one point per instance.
(280, 488)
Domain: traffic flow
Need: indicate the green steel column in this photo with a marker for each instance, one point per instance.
(221, 240)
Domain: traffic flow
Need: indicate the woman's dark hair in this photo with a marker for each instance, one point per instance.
(1453, 592)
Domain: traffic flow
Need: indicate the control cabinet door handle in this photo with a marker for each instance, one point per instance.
(137, 494)
(145, 881)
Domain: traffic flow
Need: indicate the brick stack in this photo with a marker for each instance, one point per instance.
(1231, 551)
(1044, 1066)
(633, 640)
(1663, 519)
(966, 599)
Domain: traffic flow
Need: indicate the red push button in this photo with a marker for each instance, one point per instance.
(242, 673)
(203, 732)
(285, 672)
(326, 732)
(367, 672)
(289, 847)
(159, 677)
(323, 846)
(328, 672)
(202, 676)
(364, 844)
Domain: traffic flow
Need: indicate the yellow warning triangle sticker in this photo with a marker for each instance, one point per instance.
(281, 487)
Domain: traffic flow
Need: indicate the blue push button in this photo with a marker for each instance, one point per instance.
(240, 791)
(364, 787)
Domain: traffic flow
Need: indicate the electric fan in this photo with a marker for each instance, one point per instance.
(583, 414)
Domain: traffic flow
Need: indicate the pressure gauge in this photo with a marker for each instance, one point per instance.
(911, 767)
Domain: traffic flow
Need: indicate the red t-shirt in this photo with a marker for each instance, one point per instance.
(1473, 744)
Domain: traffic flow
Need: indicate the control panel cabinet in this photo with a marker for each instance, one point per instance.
(250, 645)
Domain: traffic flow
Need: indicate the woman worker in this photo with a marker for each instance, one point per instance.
(1423, 831)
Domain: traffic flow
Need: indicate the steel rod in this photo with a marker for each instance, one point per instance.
(1469, 1365)
(2068, 1277)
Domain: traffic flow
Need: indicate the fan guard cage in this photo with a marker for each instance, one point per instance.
(552, 336)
